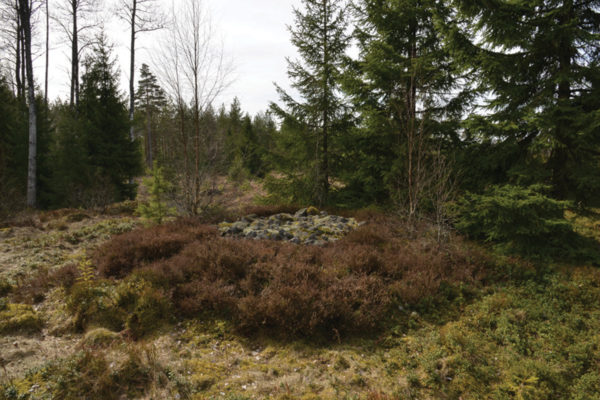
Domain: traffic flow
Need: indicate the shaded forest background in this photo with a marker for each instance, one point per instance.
(446, 106)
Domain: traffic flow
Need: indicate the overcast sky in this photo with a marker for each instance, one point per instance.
(254, 35)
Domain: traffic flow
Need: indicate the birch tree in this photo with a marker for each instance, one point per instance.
(195, 71)
(25, 16)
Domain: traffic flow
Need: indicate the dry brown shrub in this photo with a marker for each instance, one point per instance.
(22, 219)
(374, 395)
(291, 290)
(57, 214)
(34, 288)
(66, 276)
(369, 235)
(119, 256)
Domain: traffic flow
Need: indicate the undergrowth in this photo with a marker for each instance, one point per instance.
(278, 288)
(93, 374)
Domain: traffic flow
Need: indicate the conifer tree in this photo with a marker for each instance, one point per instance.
(539, 72)
(156, 209)
(405, 86)
(102, 110)
(149, 99)
(320, 37)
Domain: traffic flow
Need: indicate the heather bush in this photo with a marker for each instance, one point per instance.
(118, 257)
(349, 286)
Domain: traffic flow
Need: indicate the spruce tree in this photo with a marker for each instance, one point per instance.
(320, 38)
(102, 109)
(404, 84)
(156, 209)
(539, 75)
(149, 100)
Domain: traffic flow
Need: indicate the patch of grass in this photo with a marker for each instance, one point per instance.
(99, 337)
(92, 374)
(19, 318)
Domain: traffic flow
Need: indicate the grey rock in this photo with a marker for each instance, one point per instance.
(307, 226)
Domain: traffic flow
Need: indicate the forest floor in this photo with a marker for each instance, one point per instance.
(525, 331)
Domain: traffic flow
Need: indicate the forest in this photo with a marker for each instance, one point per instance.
(436, 162)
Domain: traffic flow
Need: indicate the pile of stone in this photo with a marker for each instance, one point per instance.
(307, 226)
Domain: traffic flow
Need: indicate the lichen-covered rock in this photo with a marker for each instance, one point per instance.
(308, 226)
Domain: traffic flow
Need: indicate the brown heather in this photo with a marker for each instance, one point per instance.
(345, 287)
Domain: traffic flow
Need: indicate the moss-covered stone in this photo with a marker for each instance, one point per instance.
(306, 226)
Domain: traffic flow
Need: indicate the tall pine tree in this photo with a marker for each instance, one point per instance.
(540, 78)
(319, 34)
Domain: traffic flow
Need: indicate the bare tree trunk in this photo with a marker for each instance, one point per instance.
(74, 98)
(132, 69)
(18, 57)
(149, 157)
(25, 15)
(192, 65)
(23, 65)
(47, 53)
(325, 161)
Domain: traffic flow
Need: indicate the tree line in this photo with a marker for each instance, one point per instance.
(443, 96)
(402, 102)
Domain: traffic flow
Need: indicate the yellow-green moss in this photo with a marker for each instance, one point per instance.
(312, 210)
(100, 337)
(20, 318)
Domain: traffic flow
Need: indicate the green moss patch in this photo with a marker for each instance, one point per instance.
(19, 318)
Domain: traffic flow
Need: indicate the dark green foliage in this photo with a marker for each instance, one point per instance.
(14, 151)
(319, 118)
(150, 99)
(157, 208)
(538, 70)
(524, 219)
(93, 159)
(5, 287)
(293, 156)
(405, 86)
(112, 156)
(72, 176)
